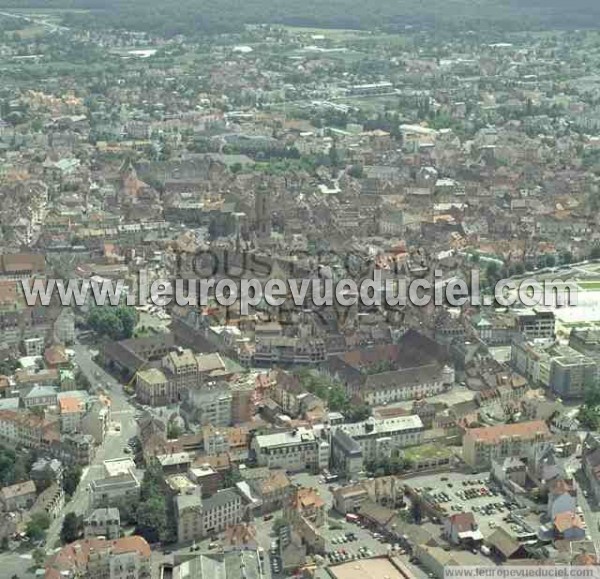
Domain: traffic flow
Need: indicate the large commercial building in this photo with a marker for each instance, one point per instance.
(586, 341)
(413, 369)
(181, 371)
(232, 564)
(572, 374)
(377, 437)
(535, 323)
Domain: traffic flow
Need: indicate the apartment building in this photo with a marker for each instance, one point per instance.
(51, 501)
(307, 503)
(39, 396)
(23, 428)
(408, 384)
(273, 350)
(222, 510)
(182, 366)
(532, 360)
(244, 400)
(346, 454)
(34, 346)
(45, 472)
(215, 441)
(103, 523)
(111, 490)
(152, 388)
(19, 496)
(207, 478)
(198, 518)
(188, 516)
(210, 404)
(71, 409)
(270, 486)
(293, 450)
(482, 445)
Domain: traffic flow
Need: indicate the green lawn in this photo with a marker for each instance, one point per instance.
(427, 451)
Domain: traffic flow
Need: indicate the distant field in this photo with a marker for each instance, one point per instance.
(589, 285)
(332, 33)
(370, 104)
(30, 32)
(361, 38)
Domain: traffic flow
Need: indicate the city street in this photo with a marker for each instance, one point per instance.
(590, 518)
(590, 511)
(125, 428)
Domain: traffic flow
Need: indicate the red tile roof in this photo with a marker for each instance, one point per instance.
(526, 430)
(75, 556)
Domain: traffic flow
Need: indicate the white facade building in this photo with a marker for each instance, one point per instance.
(294, 450)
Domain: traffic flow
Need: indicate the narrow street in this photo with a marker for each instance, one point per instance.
(590, 512)
(122, 414)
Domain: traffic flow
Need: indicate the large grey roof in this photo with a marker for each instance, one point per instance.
(234, 564)
(221, 498)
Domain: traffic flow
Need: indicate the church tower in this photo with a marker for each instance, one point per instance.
(263, 212)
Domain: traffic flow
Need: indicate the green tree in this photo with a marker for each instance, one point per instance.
(174, 431)
(231, 477)
(37, 525)
(115, 322)
(334, 155)
(7, 461)
(71, 478)
(357, 413)
(8, 367)
(492, 272)
(519, 268)
(39, 557)
(566, 257)
(127, 511)
(71, 528)
(356, 171)
(595, 253)
(416, 510)
(152, 520)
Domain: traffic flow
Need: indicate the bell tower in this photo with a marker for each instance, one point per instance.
(263, 212)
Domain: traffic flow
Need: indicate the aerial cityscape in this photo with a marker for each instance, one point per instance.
(299, 290)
